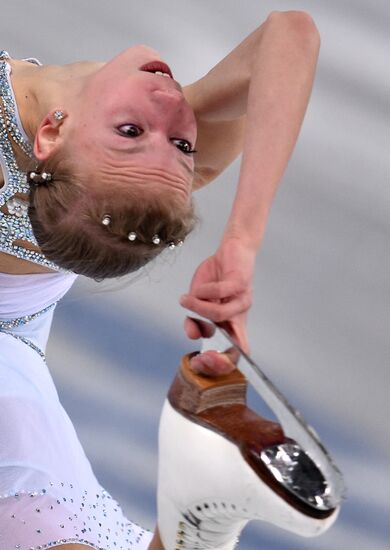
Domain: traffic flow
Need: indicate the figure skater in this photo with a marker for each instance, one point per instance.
(99, 166)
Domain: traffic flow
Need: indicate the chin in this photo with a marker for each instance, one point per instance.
(141, 54)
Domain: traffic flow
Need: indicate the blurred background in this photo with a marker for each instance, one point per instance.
(320, 320)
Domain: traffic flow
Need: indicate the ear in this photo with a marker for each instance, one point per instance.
(49, 136)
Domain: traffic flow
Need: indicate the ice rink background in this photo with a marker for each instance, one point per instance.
(320, 318)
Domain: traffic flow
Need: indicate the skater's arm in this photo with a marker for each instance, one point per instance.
(281, 79)
(279, 91)
(220, 102)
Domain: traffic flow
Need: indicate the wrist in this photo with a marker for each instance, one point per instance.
(250, 234)
(242, 241)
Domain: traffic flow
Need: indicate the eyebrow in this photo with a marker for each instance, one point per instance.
(140, 148)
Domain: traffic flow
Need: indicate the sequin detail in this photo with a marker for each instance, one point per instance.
(27, 342)
(10, 110)
(58, 542)
(18, 207)
(80, 517)
(7, 325)
(14, 323)
(14, 226)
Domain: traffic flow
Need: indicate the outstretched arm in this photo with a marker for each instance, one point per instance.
(220, 98)
(282, 60)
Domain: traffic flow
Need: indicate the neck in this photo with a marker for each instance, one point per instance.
(42, 89)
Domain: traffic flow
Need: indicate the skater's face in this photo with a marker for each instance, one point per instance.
(135, 126)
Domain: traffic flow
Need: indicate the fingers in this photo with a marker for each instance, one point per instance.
(214, 311)
(218, 290)
(196, 328)
(212, 363)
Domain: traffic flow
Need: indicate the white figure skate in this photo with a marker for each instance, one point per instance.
(221, 465)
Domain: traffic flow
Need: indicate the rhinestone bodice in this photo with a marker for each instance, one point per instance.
(15, 224)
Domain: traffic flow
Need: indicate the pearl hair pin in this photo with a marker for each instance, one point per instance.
(132, 236)
(39, 178)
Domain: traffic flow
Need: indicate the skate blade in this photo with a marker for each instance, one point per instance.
(291, 420)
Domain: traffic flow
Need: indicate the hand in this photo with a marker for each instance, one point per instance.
(212, 362)
(221, 290)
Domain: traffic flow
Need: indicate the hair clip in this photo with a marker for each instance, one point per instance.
(132, 236)
(38, 178)
(173, 245)
(46, 176)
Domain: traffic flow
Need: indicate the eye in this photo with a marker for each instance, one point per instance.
(130, 130)
(183, 145)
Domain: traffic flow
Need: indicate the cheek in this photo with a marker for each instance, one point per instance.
(120, 103)
(84, 144)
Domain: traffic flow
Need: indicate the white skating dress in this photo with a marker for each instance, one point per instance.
(49, 494)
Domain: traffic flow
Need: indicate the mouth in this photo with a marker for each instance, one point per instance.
(157, 67)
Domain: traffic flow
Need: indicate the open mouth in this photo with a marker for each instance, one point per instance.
(157, 67)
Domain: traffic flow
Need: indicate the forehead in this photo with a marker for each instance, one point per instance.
(147, 156)
(107, 147)
(138, 171)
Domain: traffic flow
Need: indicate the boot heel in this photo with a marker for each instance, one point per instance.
(221, 465)
(195, 393)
